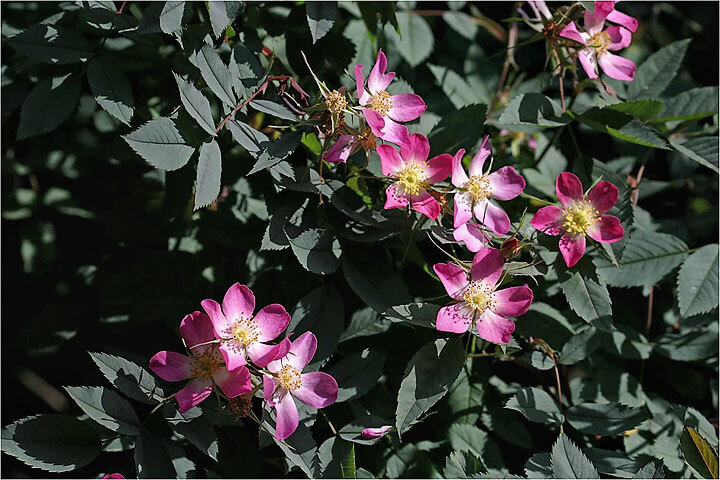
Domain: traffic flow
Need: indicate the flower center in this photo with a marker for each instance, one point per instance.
(336, 102)
(205, 364)
(367, 139)
(479, 296)
(289, 378)
(601, 41)
(244, 332)
(412, 178)
(479, 187)
(381, 102)
(579, 218)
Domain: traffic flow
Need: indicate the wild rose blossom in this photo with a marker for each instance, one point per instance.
(479, 300)
(203, 367)
(598, 42)
(413, 173)
(580, 216)
(473, 235)
(473, 194)
(382, 110)
(316, 389)
(242, 335)
(346, 145)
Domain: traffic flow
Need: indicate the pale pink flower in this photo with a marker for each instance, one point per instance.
(203, 367)
(413, 173)
(242, 335)
(382, 110)
(378, 432)
(579, 216)
(473, 194)
(479, 300)
(473, 235)
(316, 389)
(346, 145)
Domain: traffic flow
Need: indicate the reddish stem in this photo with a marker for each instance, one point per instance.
(120, 10)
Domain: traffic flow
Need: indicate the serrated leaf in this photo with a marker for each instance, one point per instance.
(536, 405)
(195, 426)
(300, 448)
(451, 133)
(689, 346)
(459, 92)
(356, 374)
(128, 377)
(654, 469)
(623, 126)
(320, 311)
(365, 322)
(532, 109)
(111, 89)
(465, 437)
(216, 74)
(275, 109)
(222, 13)
(703, 150)
(52, 44)
(462, 465)
(152, 459)
(569, 462)
(171, 16)
(196, 104)
(209, 170)
(613, 463)
(159, 142)
(584, 292)
(697, 283)
(107, 408)
(605, 419)
(320, 17)
(692, 104)
(416, 41)
(462, 23)
(641, 109)
(273, 153)
(317, 250)
(250, 139)
(656, 73)
(48, 105)
(579, 347)
(54, 443)
(698, 454)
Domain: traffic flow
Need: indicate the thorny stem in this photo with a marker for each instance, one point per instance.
(241, 105)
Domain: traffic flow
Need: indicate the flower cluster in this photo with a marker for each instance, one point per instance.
(228, 344)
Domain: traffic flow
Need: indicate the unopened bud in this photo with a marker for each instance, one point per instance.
(510, 248)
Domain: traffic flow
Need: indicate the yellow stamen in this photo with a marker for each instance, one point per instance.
(479, 187)
(367, 139)
(479, 296)
(289, 378)
(579, 218)
(412, 178)
(205, 364)
(336, 102)
(381, 102)
(244, 332)
(601, 41)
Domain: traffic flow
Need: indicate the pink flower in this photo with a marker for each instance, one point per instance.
(369, 433)
(473, 194)
(599, 42)
(113, 476)
(346, 145)
(478, 298)
(316, 389)
(472, 235)
(413, 173)
(242, 335)
(620, 18)
(579, 216)
(382, 110)
(204, 365)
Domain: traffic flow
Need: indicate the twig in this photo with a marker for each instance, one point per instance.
(332, 428)
(120, 10)
(648, 324)
(509, 59)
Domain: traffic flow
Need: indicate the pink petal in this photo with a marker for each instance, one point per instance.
(607, 230)
(626, 21)
(269, 389)
(395, 197)
(239, 302)
(369, 433)
(506, 183)
(617, 67)
(425, 204)
(539, 7)
(459, 177)
(571, 31)
(619, 37)
(221, 326)
(375, 121)
(363, 96)
(417, 149)
(454, 318)
(318, 389)
(390, 160)
(487, 265)
(394, 132)
(476, 164)
(378, 79)
(568, 188)
(439, 168)
(194, 393)
(472, 235)
(233, 382)
(453, 277)
(287, 416)
(493, 216)
(171, 366)
(302, 350)
(406, 107)
(233, 355)
(548, 220)
(594, 22)
(271, 321)
(572, 248)
(494, 328)
(603, 196)
(196, 328)
(341, 149)
(113, 476)
(463, 208)
(513, 301)
(588, 59)
(261, 354)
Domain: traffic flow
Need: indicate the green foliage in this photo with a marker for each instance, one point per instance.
(107, 408)
(536, 405)
(697, 282)
(160, 143)
(569, 462)
(655, 74)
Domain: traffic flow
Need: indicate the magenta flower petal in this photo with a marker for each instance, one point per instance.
(171, 366)
(261, 354)
(417, 148)
(425, 204)
(494, 328)
(506, 183)
(626, 21)
(588, 59)
(572, 248)
(487, 265)
(220, 324)
(393, 132)
(617, 67)
(318, 389)
(568, 188)
(341, 149)
(196, 328)
(476, 164)
(571, 31)
(454, 318)
(459, 177)
(287, 416)
(463, 208)
(378, 79)
(513, 301)
(113, 476)
(233, 382)
(439, 168)
(406, 107)
(369, 432)
(493, 216)
(472, 235)
(375, 121)
(268, 389)
(271, 321)
(395, 199)
(363, 96)
(302, 350)
(234, 356)
(193, 393)
(619, 37)
(548, 220)
(603, 196)
(453, 277)
(607, 230)
(390, 160)
(239, 302)
(594, 22)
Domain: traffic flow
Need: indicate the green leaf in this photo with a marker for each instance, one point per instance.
(273, 153)
(159, 142)
(52, 44)
(689, 346)
(352, 432)
(356, 374)
(48, 105)
(253, 141)
(452, 133)
(462, 23)
(647, 259)
(54, 443)
(607, 420)
(465, 437)
(697, 282)
(532, 109)
(196, 427)
(128, 377)
(171, 16)
(152, 459)
(536, 405)
(207, 186)
(107, 408)
(223, 13)
(584, 292)
(363, 323)
(375, 283)
(569, 462)
(320, 311)
(579, 347)
(347, 464)
(420, 314)
(275, 109)
(320, 17)
(692, 104)
(466, 399)
(111, 89)
(416, 41)
(317, 250)
(654, 469)
(196, 104)
(216, 74)
(623, 126)
(462, 465)
(300, 448)
(460, 93)
(698, 454)
(641, 109)
(539, 466)
(427, 379)
(703, 150)
(613, 463)
(656, 73)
